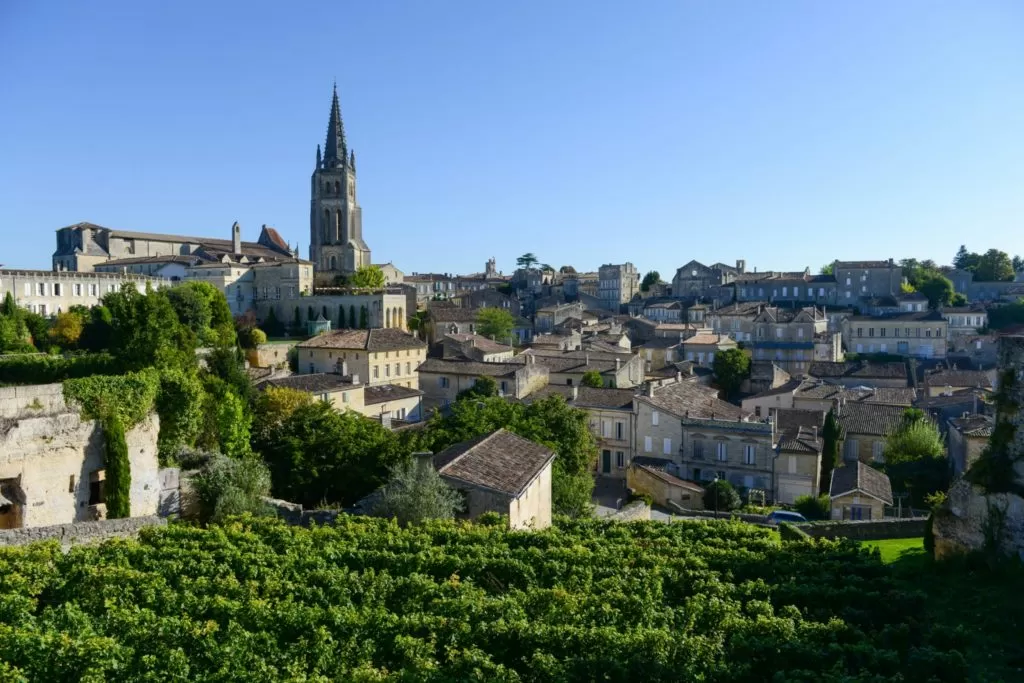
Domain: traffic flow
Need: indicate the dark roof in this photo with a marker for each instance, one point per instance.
(588, 397)
(378, 339)
(468, 367)
(388, 392)
(864, 264)
(900, 396)
(661, 343)
(870, 418)
(480, 342)
(792, 420)
(802, 441)
(274, 237)
(170, 258)
(909, 317)
(959, 379)
(316, 383)
(974, 425)
(689, 399)
(500, 461)
(861, 478)
(664, 476)
(741, 308)
(863, 369)
(791, 385)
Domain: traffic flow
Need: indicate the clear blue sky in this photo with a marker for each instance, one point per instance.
(786, 133)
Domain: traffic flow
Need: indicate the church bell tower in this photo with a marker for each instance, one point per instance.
(336, 245)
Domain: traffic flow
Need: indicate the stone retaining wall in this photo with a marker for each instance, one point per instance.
(867, 530)
(80, 532)
(637, 510)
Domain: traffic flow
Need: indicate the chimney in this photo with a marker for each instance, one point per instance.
(650, 389)
(575, 392)
(343, 368)
(355, 379)
(618, 364)
(586, 357)
(679, 376)
(815, 432)
(236, 238)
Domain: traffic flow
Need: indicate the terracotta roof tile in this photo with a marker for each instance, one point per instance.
(500, 461)
(377, 339)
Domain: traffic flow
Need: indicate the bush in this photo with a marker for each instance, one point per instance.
(415, 493)
(720, 495)
(791, 532)
(43, 369)
(929, 535)
(644, 497)
(228, 487)
(813, 507)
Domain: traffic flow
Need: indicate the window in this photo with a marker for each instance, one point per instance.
(791, 464)
(56, 289)
(881, 331)
(97, 494)
(847, 282)
(696, 474)
(860, 331)
(877, 451)
(666, 446)
(927, 331)
(606, 428)
(78, 289)
(620, 459)
(398, 369)
(800, 332)
(619, 429)
(698, 449)
(749, 454)
(895, 331)
(344, 397)
(720, 474)
(757, 411)
(376, 371)
(504, 386)
(311, 369)
(443, 382)
(408, 370)
(647, 444)
(654, 418)
(785, 291)
(871, 332)
(847, 294)
(41, 289)
(778, 333)
(722, 451)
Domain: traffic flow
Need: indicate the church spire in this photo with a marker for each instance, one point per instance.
(319, 163)
(337, 148)
(352, 161)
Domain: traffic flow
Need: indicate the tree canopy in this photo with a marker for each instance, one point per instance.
(496, 323)
(992, 266)
(414, 493)
(651, 278)
(368, 277)
(527, 260)
(592, 378)
(731, 367)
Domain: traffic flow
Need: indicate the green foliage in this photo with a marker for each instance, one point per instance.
(720, 495)
(319, 455)
(145, 330)
(227, 486)
(249, 337)
(592, 378)
(118, 482)
(418, 321)
(128, 397)
(651, 278)
(15, 336)
(827, 269)
(527, 260)
(179, 404)
(272, 406)
(341, 317)
(938, 288)
(994, 469)
(483, 387)
(1007, 315)
(791, 532)
(67, 329)
(915, 458)
(813, 507)
(233, 425)
(273, 326)
(992, 266)
(830, 435)
(97, 331)
(571, 494)
(368, 600)
(415, 493)
(40, 369)
(918, 439)
(731, 368)
(368, 277)
(494, 322)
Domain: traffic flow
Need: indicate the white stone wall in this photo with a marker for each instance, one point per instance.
(50, 292)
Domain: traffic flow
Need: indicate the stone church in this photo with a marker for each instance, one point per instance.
(336, 245)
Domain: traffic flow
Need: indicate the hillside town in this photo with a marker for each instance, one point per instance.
(150, 378)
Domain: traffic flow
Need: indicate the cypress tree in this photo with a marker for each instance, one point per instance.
(118, 470)
(352, 316)
(364, 318)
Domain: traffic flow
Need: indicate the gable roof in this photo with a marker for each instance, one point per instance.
(789, 387)
(316, 383)
(388, 392)
(870, 419)
(860, 478)
(974, 425)
(709, 339)
(479, 342)
(468, 367)
(588, 397)
(376, 339)
(500, 461)
(862, 369)
(452, 314)
(959, 379)
(688, 399)
(667, 478)
(821, 391)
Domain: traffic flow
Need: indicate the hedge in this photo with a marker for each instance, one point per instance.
(45, 369)
(790, 532)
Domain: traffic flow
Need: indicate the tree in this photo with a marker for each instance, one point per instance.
(226, 487)
(652, 278)
(179, 403)
(496, 323)
(731, 368)
(233, 426)
(720, 495)
(592, 378)
(117, 468)
(958, 300)
(97, 331)
(937, 287)
(352, 320)
(364, 318)
(414, 493)
(145, 330)
(272, 407)
(827, 269)
(962, 260)
(482, 387)
(526, 261)
(830, 434)
(368, 277)
(994, 266)
(67, 329)
(915, 458)
(813, 507)
(1006, 316)
(1018, 264)
(341, 317)
(317, 455)
(272, 325)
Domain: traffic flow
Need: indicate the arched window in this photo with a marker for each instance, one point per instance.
(387, 318)
(334, 263)
(337, 187)
(337, 227)
(327, 225)
(401, 317)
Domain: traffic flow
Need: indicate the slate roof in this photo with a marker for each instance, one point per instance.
(791, 385)
(741, 308)
(863, 264)
(589, 397)
(858, 369)
(792, 420)
(900, 396)
(317, 383)
(170, 258)
(863, 479)
(693, 400)
(959, 379)
(915, 316)
(974, 425)
(480, 342)
(500, 461)
(870, 419)
(388, 392)
(802, 441)
(468, 367)
(377, 339)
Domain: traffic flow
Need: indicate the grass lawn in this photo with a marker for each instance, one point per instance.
(893, 549)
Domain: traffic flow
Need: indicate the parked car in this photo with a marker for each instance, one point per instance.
(776, 516)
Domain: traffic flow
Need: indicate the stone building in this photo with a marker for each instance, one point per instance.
(664, 488)
(336, 245)
(617, 370)
(380, 356)
(49, 292)
(968, 437)
(501, 472)
(475, 347)
(797, 468)
(443, 380)
(964, 321)
(861, 373)
(859, 492)
(696, 280)
(921, 335)
(385, 308)
(52, 463)
(865, 427)
(702, 348)
(617, 284)
(860, 279)
(548, 318)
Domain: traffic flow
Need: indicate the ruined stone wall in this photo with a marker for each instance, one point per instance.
(48, 453)
(82, 532)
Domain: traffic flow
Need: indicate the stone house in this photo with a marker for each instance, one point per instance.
(52, 462)
(661, 352)
(922, 335)
(547, 318)
(388, 402)
(270, 354)
(51, 292)
(790, 337)
(736, 320)
(557, 342)
(696, 279)
(501, 472)
(859, 491)
(861, 373)
(661, 310)
(798, 465)
(764, 376)
(865, 428)
(379, 356)
(945, 382)
(612, 422)
(617, 370)
(383, 403)
(767, 402)
(443, 380)
(968, 437)
(701, 348)
(385, 308)
(488, 298)
(678, 331)
(617, 283)
(664, 488)
(856, 279)
(817, 395)
(964, 321)
(445, 319)
(475, 347)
